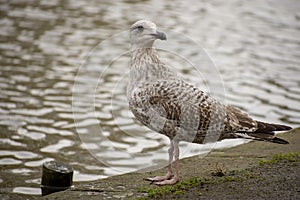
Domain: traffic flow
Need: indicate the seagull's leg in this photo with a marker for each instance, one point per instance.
(175, 178)
(169, 174)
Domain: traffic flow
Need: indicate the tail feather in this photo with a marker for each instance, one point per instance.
(266, 137)
(279, 141)
(256, 130)
(265, 132)
(270, 128)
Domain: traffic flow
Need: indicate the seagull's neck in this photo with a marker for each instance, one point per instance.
(144, 65)
(147, 67)
(143, 55)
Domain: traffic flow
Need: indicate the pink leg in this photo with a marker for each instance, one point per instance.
(169, 174)
(175, 178)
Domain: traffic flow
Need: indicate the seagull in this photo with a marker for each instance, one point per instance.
(167, 104)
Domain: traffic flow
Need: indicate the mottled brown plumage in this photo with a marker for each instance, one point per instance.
(165, 103)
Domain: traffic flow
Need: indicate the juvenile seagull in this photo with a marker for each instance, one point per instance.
(165, 103)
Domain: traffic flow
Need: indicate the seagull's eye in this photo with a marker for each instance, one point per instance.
(140, 27)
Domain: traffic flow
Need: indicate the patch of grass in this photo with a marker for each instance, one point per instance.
(288, 157)
(176, 189)
(231, 179)
(239, 176)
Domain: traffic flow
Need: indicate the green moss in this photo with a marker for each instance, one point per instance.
(177, 189)
(289, 157)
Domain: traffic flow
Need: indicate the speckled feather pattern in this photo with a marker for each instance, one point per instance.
(165, 103)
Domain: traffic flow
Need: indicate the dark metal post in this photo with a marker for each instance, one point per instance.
(56, 177)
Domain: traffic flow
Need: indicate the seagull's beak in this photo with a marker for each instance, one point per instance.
(160, 35)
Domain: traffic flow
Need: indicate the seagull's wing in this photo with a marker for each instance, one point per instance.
(182, 119)
(167, 106)
(180, 112)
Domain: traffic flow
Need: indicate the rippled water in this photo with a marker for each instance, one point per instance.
(255, 46)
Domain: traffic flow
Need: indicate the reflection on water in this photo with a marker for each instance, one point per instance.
(255, 45)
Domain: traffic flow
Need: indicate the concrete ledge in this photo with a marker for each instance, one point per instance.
(237, 158)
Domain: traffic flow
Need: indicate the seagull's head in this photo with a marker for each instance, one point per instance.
(143, 33)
